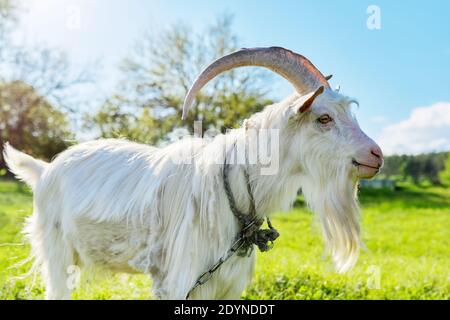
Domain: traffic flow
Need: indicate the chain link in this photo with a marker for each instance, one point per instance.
(204, 277)
(250, 234)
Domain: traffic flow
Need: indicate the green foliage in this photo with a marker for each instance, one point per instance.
(419, 168)
(444, 175)
(30, 123)
(157, 76)
(34, 101)
(406, 234)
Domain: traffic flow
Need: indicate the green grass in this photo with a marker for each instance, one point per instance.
(406, 233)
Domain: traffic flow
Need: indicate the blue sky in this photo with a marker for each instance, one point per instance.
(394, 72)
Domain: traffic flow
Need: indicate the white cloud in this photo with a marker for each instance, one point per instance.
(426, 130)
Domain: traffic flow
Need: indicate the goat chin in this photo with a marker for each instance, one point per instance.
(122, 206)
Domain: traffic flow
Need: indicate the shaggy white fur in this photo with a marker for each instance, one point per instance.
(129, 207)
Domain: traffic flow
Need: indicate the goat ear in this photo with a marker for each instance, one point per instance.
(310, 99)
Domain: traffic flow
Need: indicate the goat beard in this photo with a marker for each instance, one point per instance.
(334, 201)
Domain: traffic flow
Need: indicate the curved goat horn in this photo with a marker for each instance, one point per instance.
(295, 68)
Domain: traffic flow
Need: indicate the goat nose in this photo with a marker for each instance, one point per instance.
(376, 151)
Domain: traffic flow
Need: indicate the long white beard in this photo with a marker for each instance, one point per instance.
(334, 200)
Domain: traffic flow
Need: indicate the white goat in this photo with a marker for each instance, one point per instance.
(133, 208)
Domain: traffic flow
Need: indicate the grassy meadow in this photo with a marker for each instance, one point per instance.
(406, 233)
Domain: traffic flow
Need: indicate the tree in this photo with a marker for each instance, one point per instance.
(413, 169)
(433, 164)
(47, 70)
(35, 101)
(158, 75)
(423, 167)
(8, 18)
(50, 73)
(444, 175)
(394, 166)
(28, 121)
(35, 96)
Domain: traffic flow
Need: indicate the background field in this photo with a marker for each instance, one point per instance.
(406, 233)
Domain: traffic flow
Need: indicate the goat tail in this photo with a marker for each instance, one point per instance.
(23, 166)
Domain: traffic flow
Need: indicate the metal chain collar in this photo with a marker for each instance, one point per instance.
(250, 234)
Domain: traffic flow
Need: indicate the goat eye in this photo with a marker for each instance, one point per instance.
(324, 119)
